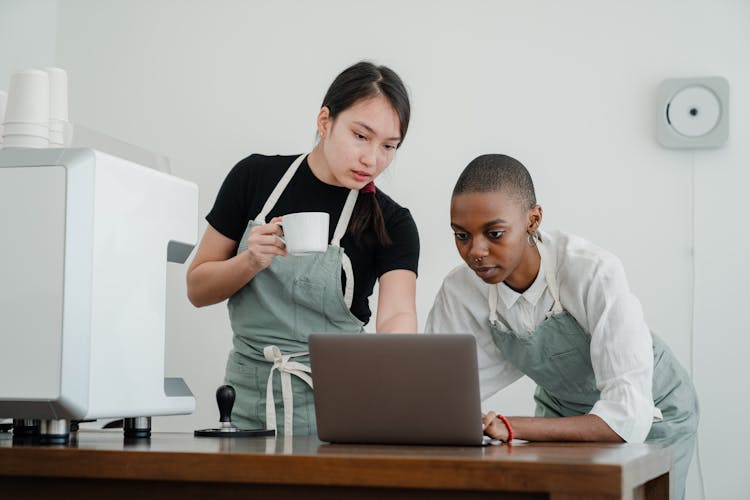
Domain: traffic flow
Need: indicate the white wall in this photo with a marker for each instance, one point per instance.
(28, 36)
(566, 87)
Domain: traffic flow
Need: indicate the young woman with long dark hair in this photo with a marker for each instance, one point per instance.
(276, 300)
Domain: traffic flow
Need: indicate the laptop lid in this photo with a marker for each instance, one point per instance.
(396, 388)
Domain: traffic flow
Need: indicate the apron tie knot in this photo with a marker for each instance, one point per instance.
(286, 368)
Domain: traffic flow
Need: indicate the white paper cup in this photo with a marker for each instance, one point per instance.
(28, 98)
(305, 232)
(58, 94)
(17, 128)
(56, 137)
(24, 141)
(58, 105)
(3, 102)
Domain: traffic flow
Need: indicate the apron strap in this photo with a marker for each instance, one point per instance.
(346, 216)
(276, 193)
(286, 369)
(346, 263)
(551, 278)
(349, 274)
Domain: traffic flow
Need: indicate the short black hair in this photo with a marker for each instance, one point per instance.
(497, 172)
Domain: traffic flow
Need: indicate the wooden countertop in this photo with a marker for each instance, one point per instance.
(555, 470)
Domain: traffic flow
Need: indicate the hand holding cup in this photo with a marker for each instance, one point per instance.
(265, 243)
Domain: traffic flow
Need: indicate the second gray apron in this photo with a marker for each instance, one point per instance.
(557, 356)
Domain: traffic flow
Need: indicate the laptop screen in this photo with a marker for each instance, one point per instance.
(396, 388)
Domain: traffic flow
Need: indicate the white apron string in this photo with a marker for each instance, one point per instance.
(550, 268)
(286, 370)
(346, 215)
(280, 187)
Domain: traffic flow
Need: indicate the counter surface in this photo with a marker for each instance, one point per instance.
(98, 462)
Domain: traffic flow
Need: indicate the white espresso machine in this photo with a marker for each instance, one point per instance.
(86, 237)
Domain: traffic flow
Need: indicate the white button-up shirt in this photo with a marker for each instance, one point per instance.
(594, 290)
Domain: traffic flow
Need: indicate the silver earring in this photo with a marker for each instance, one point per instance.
(532, 243)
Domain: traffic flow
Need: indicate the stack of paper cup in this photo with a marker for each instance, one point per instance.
(26, 122)
(58, 106)
(3, 100)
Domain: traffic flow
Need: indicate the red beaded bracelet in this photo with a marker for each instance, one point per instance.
(507, 426)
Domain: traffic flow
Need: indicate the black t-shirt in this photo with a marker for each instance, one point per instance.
(249, 184)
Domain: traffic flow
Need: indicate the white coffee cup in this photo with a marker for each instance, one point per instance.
(305, 232)
(28, 98)
(58, 105)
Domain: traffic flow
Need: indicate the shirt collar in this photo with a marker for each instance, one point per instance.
(531, 295)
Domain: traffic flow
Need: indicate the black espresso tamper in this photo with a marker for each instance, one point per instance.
(225, 399)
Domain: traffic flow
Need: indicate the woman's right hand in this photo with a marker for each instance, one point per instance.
(218, 271)
(264, 244)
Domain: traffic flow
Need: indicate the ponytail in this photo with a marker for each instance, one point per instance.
(368, 216)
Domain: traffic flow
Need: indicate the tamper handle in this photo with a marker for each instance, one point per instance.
(225, 399)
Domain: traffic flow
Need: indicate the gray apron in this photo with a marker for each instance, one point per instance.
(272, 316)
(557, 356)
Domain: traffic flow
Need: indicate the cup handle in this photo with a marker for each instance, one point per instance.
(281, 225)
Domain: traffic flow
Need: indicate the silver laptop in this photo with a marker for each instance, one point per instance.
(396, 388)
